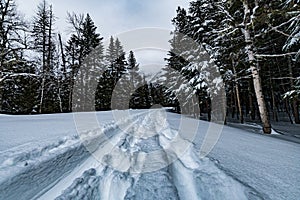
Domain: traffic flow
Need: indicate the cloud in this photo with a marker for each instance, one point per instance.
(113, 16)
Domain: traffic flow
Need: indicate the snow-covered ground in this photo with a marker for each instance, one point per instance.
(143, 156)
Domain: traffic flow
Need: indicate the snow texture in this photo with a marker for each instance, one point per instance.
(43, 157)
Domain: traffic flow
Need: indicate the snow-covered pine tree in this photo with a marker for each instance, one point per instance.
(292, 45)
(217, 21)
(20, 94)
(134, 79)
(111, 52)
(176, 62)
(188, 57)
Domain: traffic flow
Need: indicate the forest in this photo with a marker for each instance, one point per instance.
(253, 44)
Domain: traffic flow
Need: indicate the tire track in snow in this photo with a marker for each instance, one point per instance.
(186, 178)
(75, 174)
(76, 184)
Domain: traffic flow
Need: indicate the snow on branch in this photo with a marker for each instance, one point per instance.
(286, 34)
(282, 78)
(275, 55)
(275, 28)
(9, 75)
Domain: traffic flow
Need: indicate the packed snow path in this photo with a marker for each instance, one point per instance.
(241, 166)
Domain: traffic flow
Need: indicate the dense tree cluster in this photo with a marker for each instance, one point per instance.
(38, 72)
(255, 46)
(252, 44)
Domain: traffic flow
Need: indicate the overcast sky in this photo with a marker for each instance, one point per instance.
(113, 17)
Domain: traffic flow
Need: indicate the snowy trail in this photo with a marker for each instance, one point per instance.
(180, 180)
(138, 162)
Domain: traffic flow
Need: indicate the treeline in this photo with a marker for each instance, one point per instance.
(255, 46)
(252, 44)
(38, 72)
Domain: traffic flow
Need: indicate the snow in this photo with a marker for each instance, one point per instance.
(136, 157)
(274, 132)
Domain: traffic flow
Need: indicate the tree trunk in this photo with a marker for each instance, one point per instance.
(286, 106)
(296, 111)
(44, 67)
(208, 111)
(239, 104)
(252, 108)
(49, 59)
(238, 94)
(42, 94)
(254, 70)
(274, 109)
(274, 106)
(62, 55)
(233, 102)
(59, 96)
(294, 100)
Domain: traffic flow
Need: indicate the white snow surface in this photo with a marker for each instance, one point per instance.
(43, 157)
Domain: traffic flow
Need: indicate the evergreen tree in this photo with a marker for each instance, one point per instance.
(186, 68)
(43, 41)
(130, 81)
(111, 52)
(12, 26)
(85, 59)
(116, 62)
(20, 94)
(249, 50)
(120, 61)
(16, 72)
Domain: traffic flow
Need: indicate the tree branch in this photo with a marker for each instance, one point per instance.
(275, 55)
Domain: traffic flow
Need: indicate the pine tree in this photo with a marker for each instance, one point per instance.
(120, 61)
(43, 41)
(111, 52)
(85, 59)
(12, 27)
(20, 94)
(217, 22)
(116, 62)
(107, 80)
(175, 61)
(187, 59)
(130, 81)
(16, 72)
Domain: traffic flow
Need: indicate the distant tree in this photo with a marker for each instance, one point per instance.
(120, 61)
(84, 52)
(133, 69)
(12, 30)
(44, 45)
(111, 52)
(17, 75)
(20, 94)
(124, 95)
(116, 68)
